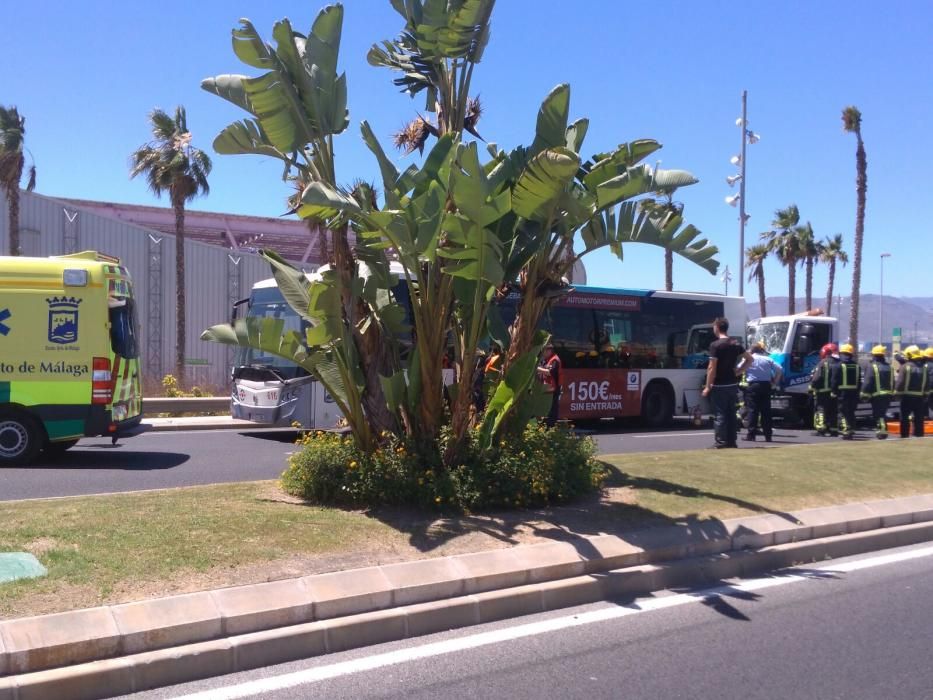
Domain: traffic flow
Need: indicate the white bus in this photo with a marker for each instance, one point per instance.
(635, 353)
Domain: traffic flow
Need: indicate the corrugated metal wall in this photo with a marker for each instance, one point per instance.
(214, 278)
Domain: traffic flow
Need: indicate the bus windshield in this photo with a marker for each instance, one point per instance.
(269, 303)
(773, 335)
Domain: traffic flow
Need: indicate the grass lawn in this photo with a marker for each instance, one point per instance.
(104, 549)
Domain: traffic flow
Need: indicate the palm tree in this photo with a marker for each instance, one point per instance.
(831, 252)
(784, 242)
(12, 161)
(852, 123)
(810, 253)
(755, 257)
(171, 164)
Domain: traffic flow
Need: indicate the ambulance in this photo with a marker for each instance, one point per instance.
(69, 354)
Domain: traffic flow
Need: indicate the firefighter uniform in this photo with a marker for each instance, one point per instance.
(845, 383)
(911, 388)
(878, 388)
(825, 420)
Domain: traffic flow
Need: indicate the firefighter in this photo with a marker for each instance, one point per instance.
(826, 411)
(845, 382)
(549, 372)
(911, 387)
(928, 358)
(878, 387)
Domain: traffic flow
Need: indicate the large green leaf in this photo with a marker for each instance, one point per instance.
(473, 252)
(551, 129)
(479, 199)
(541, 183)
(245, 137)
(511, 389)
(292, 282)
(229, 87)
(631, 183)
(605, 166)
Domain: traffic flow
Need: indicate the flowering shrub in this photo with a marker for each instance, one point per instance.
(544, 466)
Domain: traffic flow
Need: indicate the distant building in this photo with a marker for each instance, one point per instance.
(290, 238)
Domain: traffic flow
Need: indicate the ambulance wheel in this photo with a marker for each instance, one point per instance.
(21, 438)
(57, 449)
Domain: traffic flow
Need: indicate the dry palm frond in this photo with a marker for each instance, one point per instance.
(414, 135)
(474, 111)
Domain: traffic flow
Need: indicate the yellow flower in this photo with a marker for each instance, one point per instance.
(353, 465)
(438, 499)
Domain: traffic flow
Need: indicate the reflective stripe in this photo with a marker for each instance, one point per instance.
(879, 390)
(849, 383)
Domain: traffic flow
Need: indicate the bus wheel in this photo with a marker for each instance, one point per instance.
(20, 438)
(57, 449)
(657, 405)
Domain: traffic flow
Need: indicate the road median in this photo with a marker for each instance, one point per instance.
(136, 646)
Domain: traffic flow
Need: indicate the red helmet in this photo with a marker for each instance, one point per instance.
(827, 350)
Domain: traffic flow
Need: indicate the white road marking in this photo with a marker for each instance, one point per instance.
(449, 646)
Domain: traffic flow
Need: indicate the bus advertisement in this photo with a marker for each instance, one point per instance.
(625, 353)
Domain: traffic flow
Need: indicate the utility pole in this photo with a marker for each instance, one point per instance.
(742, 195)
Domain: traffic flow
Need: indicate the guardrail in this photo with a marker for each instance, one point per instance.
(192, 404)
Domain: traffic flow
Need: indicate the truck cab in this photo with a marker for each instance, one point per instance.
(794, 342)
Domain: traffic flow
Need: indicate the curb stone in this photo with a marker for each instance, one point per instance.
(171, 640)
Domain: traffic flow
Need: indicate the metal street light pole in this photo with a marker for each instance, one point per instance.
(881, 301)
(744, 131)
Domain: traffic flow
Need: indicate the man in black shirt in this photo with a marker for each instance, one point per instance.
(728, 360)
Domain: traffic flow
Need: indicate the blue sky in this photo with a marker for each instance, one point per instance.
(85, 74)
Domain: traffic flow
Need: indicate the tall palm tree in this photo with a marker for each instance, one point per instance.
(810, 253)
(171, 164)
(783, 242)
(12, 162)
(832, 252)
(755, 257)
(852, 123)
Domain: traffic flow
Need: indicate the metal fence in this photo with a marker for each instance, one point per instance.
(215, 277)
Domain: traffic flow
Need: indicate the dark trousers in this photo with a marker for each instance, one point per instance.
(552, 413)
(879, 414)
(725, 421)
(916, 407)
(848, 402)
(826, 416)
(758, 400)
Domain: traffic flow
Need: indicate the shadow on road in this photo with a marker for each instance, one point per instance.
(112, 457)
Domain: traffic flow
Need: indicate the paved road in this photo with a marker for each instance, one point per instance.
(858, 628)
(188, 458)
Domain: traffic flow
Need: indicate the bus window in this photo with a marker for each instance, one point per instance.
(124, 333)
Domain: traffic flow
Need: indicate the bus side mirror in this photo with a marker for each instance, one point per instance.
(235, 310)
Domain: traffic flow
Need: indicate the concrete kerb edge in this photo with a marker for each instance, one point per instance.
(489, 576)
(206, 659)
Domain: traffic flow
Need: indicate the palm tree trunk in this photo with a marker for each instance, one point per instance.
(761, 293)
(792, 287)
(861, 186)
(178, 204)
(12, 198)
(809, 283)
(668, 270)
(829, 289)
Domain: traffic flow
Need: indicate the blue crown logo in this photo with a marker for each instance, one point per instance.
(63, 303)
